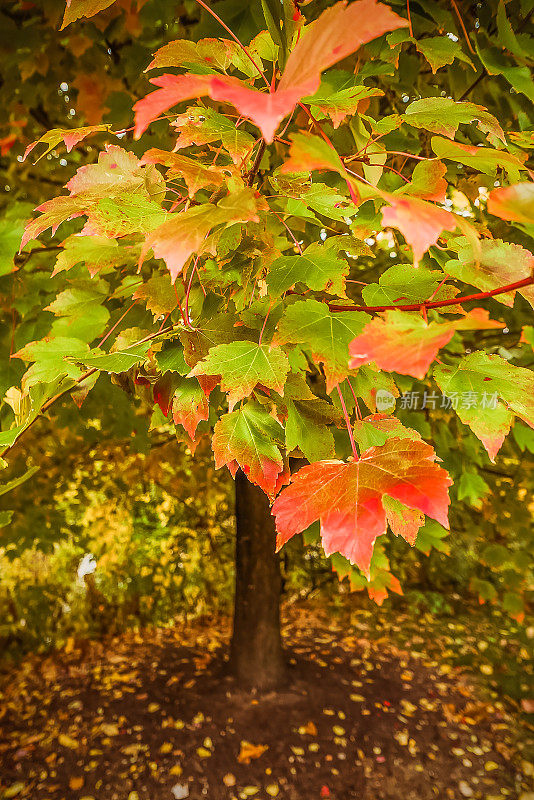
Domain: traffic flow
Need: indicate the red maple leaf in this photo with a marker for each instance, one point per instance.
(403, 342)
(514, 203)
(338, 32)
(420, 223)
(250, 438)
(348, 498)
(190, 405)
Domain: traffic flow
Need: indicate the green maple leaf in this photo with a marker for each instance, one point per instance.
(306, 428)
(76, 298)
(96, 252)
(194, 173)
(431, 536)
(483, 159)
(171, 358)
(119, 360)
(118, 194)
(11, 230)
(250, 438)
(402, 284)
(318, 268)
(51, 359)
(117, 173)
(83, 8)
(496, 63)
(218, 329)
(202, 125)
(444, 115)
(126, 214)
(242, 365)
(185, 232)
(326, 201)
(158, 295)
(488, 391)
(492, 264)
(472, 487)
(380, 578)
(339, 95)
(207, 53)
(69, 136)
(53, 213)
(85, 326)
(440, 50)
(374, 431)
(325, 334)
(370, 380)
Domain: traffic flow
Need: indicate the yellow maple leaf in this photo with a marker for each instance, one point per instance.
(249, 751)
(309, 729)
(67, 741)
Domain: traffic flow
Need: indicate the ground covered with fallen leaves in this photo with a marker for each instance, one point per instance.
(375, 710)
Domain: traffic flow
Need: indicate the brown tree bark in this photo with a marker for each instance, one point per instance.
(256, 656)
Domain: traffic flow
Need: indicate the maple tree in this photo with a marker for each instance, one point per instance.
(218, 274)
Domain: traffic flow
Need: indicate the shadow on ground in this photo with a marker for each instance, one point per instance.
(150, 716)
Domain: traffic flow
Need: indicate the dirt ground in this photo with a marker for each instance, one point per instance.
(152, 716)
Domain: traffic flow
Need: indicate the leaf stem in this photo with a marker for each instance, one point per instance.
(188, 292)
(265, 323)
(24, 255)
(409, 18)
(184, 318)
(352, 193)
(347, 423)
(466, 35)
(295, 240)
(120, 319)
(356, 404)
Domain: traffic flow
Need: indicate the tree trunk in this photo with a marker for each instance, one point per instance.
(256, 655)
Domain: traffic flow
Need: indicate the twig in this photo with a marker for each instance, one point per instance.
(409, 18)
(256, 165)
(25, 255)
(485, 72)
(265, 323)
(470, 46)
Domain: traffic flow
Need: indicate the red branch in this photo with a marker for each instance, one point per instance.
(438, 303)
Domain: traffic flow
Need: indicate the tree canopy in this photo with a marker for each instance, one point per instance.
(311, 238)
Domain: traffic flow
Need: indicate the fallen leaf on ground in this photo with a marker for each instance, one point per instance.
(249, 751)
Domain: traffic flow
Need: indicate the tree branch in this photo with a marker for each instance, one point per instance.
(438, 303)
(25, 255)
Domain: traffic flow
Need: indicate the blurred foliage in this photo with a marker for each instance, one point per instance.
(159, 524)
(156, 528)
